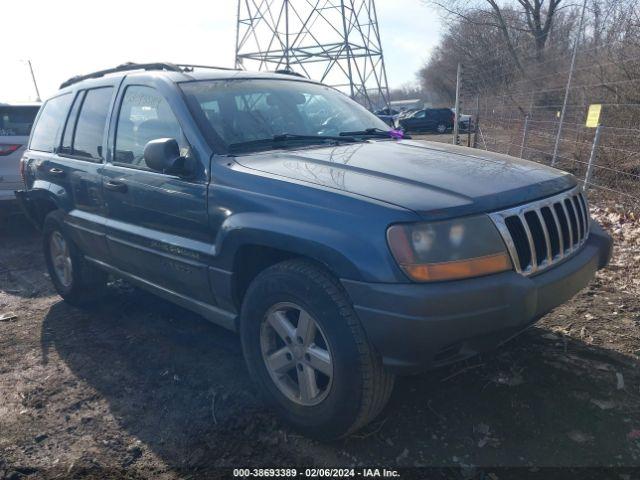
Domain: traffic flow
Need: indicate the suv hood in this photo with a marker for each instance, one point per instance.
(435, 180)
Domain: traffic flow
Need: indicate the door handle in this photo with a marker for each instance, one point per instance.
(56, 171)
(116, 186)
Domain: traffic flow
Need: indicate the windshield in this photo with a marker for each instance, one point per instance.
(242, 111)
(17, 120)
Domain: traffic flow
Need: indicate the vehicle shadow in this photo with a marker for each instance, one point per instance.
(171, 379)
(179, 384)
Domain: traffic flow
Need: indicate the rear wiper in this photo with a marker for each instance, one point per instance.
(283, 138)
(376, 132)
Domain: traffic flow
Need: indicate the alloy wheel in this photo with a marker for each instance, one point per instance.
(296, 353)
(61, 259)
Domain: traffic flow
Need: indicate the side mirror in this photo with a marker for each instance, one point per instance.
(163, 155)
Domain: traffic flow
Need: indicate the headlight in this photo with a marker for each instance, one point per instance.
(448, 250)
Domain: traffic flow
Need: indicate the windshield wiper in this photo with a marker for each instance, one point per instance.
(374, 132)
(285, 138)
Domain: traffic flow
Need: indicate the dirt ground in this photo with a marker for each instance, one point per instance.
(139, 387)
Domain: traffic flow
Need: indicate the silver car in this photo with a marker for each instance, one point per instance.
(16, 121)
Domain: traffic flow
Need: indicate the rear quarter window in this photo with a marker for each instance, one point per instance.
(17, 120)
(46, 133)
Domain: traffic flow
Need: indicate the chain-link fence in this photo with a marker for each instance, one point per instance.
(525, 118)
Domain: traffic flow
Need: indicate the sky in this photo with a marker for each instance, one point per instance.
(64, 38)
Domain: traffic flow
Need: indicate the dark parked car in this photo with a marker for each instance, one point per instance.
(279, 208)
(428, 120)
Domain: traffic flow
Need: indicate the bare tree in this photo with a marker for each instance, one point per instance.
(539, 20)
(534, 18)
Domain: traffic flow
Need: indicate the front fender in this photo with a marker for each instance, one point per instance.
(330, 247)
(346, 233)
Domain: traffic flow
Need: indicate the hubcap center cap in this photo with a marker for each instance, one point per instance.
(297, 352)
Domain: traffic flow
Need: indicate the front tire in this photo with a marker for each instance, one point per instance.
(308, 353)
(77, 282)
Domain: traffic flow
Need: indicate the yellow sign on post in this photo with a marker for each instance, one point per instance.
(593, 115)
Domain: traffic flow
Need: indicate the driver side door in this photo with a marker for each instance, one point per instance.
(157, 225)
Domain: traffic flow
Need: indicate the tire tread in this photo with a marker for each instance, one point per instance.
(89, 282)
(377, 381)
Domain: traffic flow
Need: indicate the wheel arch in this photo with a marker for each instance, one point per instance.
(37, 204)
(251, 259)
(247, 243)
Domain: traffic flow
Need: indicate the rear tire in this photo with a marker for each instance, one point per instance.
(356, 386)
(75, 280)
(441, 128)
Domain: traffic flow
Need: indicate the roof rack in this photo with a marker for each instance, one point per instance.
(170, 67)
(129, 66)
(125, 67)
(189, 68)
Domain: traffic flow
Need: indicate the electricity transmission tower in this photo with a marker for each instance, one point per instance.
(334, 41)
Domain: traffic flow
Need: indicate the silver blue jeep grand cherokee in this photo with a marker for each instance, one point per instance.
(277, 207)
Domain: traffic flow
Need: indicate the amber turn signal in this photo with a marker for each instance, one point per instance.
(471, 267)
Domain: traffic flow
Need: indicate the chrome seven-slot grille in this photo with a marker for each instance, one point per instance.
(542, 233)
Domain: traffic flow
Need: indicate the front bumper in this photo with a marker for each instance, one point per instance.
(416, 327)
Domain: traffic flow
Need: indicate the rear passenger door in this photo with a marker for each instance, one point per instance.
(158, 224)
(65, 153)
(78, 165)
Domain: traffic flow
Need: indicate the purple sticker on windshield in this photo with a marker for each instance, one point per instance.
(396, 133)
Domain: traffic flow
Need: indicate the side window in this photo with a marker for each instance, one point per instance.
(70, 127)
(46, 133)
(89, 131)
(420, 114)
(144, 116)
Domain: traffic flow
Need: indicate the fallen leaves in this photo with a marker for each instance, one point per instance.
(484, 436)
(580, 437)
(603, 404)
(624, 227)
(510, 379)
(5, 317)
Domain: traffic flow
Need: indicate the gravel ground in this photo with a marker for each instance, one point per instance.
(139, 387)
